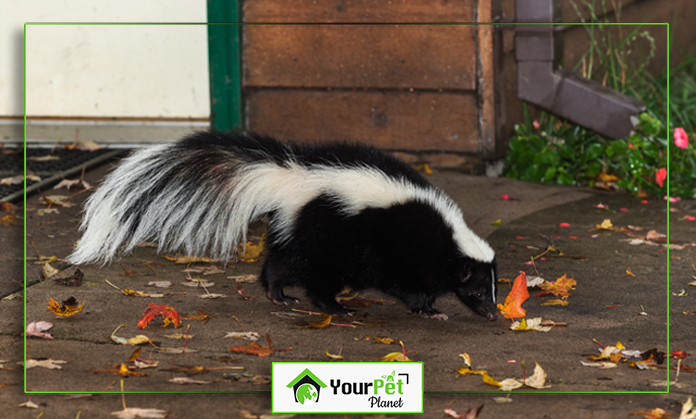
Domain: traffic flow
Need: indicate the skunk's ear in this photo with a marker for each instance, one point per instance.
(467, 275)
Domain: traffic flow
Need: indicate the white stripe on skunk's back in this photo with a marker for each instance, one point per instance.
(287, 190)
(211, 221)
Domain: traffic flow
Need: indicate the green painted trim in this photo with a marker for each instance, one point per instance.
(225, 64)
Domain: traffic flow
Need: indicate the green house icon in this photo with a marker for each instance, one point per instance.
(306, 387)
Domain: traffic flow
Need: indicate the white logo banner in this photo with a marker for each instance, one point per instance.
(347, 387)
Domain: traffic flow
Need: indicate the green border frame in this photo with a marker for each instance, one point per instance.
(394, 412)
(237, 25)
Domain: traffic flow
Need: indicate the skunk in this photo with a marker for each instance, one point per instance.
(341, 216)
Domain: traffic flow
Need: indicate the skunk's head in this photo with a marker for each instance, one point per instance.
(476, 287)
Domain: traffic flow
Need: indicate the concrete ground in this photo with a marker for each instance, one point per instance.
(604, 306)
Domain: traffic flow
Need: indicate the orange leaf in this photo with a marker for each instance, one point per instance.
(513, 302)
(168, 314)
(558, 288)
(254, 348)
(68, 308)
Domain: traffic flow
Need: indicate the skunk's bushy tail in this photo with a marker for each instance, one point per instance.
(197, 196)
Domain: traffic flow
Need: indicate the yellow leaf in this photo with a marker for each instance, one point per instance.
(466, 358)
(555, 303)
(629, 273)
(335, 356)
(66, 309)
(497, 223)
(395, 357)
(490, 380)
(620, 346)
(251, 252)
(189, 259)
(606, 224)
(468, 371)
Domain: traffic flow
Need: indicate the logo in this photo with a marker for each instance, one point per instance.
(306, 387)
(350, 387)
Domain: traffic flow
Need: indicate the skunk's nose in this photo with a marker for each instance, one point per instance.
(492, 316)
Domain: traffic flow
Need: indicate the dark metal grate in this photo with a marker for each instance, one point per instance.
(69, 163)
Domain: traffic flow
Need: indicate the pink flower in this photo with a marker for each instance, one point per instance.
(564, 225)
(681, 140)
(660, 176)
(537, 125)
(690, 218)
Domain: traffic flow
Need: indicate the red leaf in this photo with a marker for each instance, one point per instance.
(153, 310)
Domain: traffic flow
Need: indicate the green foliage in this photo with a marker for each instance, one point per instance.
(562, 153)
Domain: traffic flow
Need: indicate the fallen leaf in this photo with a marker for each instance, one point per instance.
(534, 281)
(67, 184)
(466, 358)
(202, 316)
(71, 281)
(490, 380)
(198, 283)
(555, 303)
(469, 414)
(320, 324)
(688, 411)
(252, 336)
(510, 384)
(48, 270)
(502, 400)
(169, 315)
(250, 252)
(513, 302)
(469, 371)
(335, 356)
(497, 223)
(380, 339)
(68, 308)
(136, 412)
(160, 284)
(602, 365)
(51, 364)
(211, 296)
(43, 158)
(9, 219)
(531, 324)
(205, 270)
(538, 379)
(244, 278)
(190, 259)
(251, 379)
(187, 380)
(37, 328)
(656, 413)
(254, 348)
(560, 287)
(29, 404)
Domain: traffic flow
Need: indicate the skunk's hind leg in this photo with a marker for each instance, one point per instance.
(274, 275)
